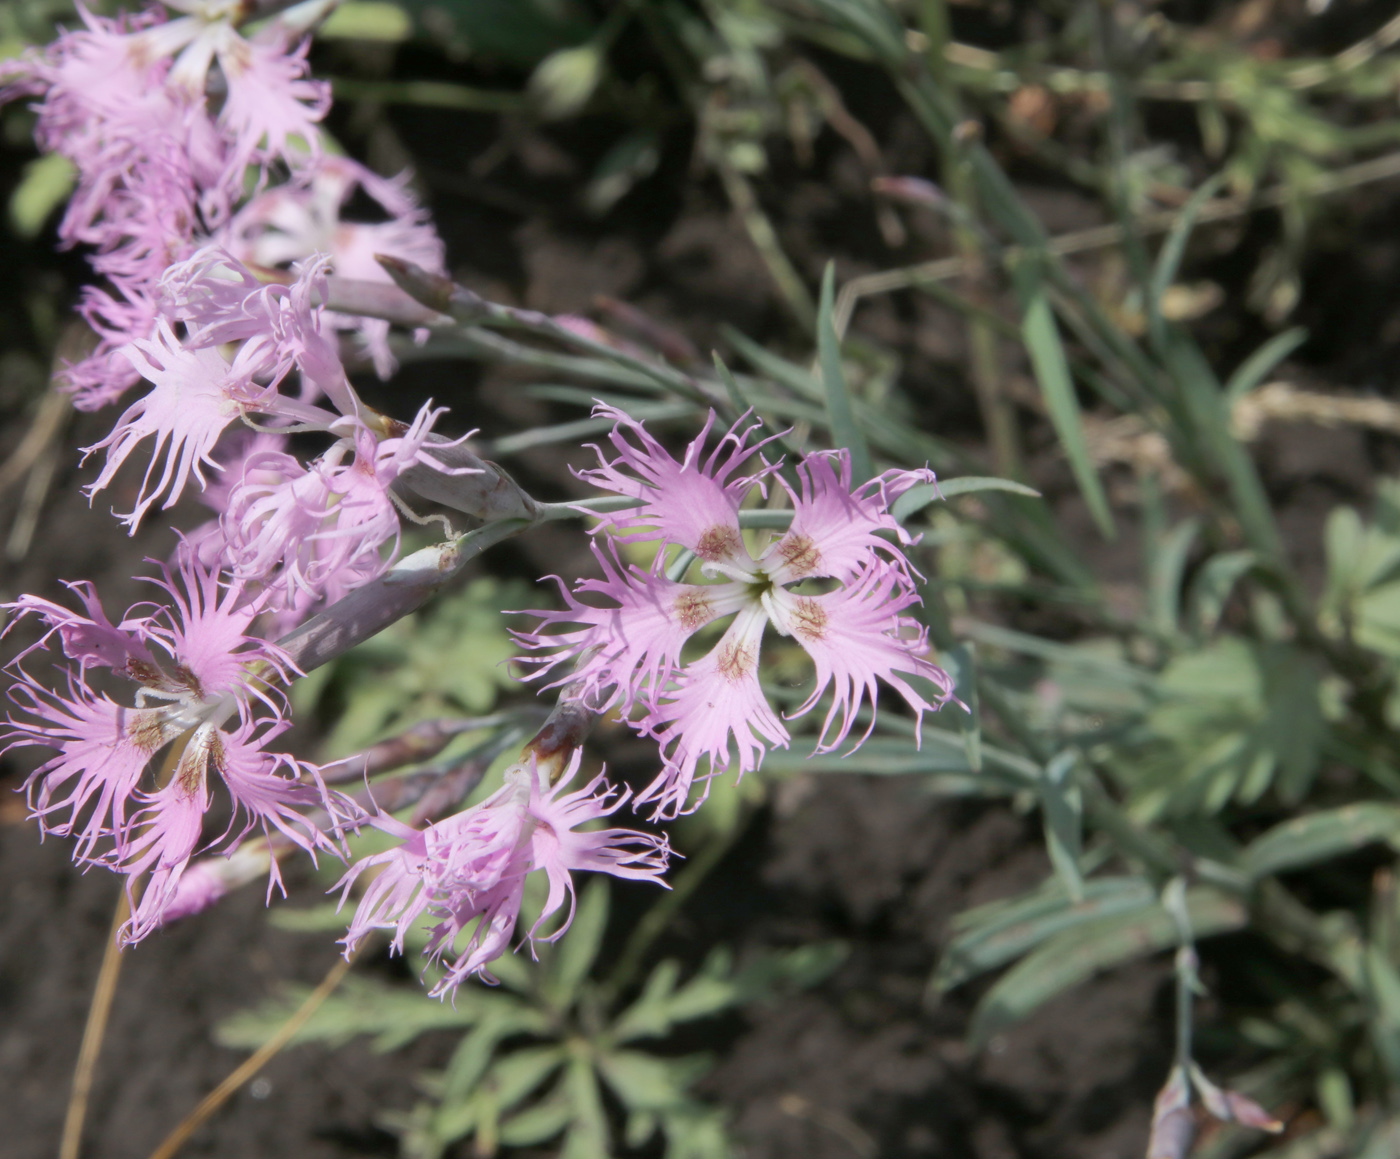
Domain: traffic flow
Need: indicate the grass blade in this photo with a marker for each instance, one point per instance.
(1253, 370)
(844, 431)
(1047, 353)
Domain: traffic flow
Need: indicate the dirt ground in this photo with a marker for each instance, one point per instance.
(857, 1067)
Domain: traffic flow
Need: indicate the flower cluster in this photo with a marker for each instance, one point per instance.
(212, 296)
(213, 216)
(628, 654)
(127, 101)
(211, 213)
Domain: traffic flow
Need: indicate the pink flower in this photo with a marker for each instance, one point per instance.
(272, 108)
(308, 533)
(694, 502)
(469, 871)
(196, 395)
(198, 390)
(194, 666)
(627, 654)
(291, 223)
(126, 101)
(169, 827)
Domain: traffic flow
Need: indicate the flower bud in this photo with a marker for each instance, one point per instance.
(564, 81)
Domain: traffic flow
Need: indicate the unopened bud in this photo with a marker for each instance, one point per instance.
(1232, 1107)
(564, 81)
(909, 190)
(1173, 1124)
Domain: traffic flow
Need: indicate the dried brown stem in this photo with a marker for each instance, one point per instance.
(1099, 237)
(93, 1033)
(255, 1062)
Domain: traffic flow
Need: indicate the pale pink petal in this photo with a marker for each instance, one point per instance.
(169, 826)
(836, 531)
(491, 914)
(268, 791)
(693, 502)
(273, 108)
(196, 394)
(631, 649)
(91, 640)
(717, 703)
(559, 846)
(857, 637)
(102, 748)
(208, 632)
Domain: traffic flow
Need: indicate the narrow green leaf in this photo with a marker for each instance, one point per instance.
(520, 1073)
(539, 1123)
(917, 498)
(642, 1081)
(844, 431)
(1062, 807)
(1210, 591)
(697, 1133)
(1209, 416)
(1168, 572)
(1383, 984)
(1047, 354)
(1174, 247)
(393, 1015)
(641, 1126)
(1017, 928)
(588, 1134)
(1056, 653)
(1252, 371)
(580, 429)
(1078, 954)
(961, 663)
(470, 1060)
(1319, 836)
(795, 377)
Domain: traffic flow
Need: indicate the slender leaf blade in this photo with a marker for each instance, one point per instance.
(1047, 354)
(844, 431)
(1077, 955)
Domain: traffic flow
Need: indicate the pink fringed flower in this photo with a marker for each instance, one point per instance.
(286, 225)
(628, 653)
(198, 390)
(196, 394)
(199, 674)
(469, 871)
(309, 533)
